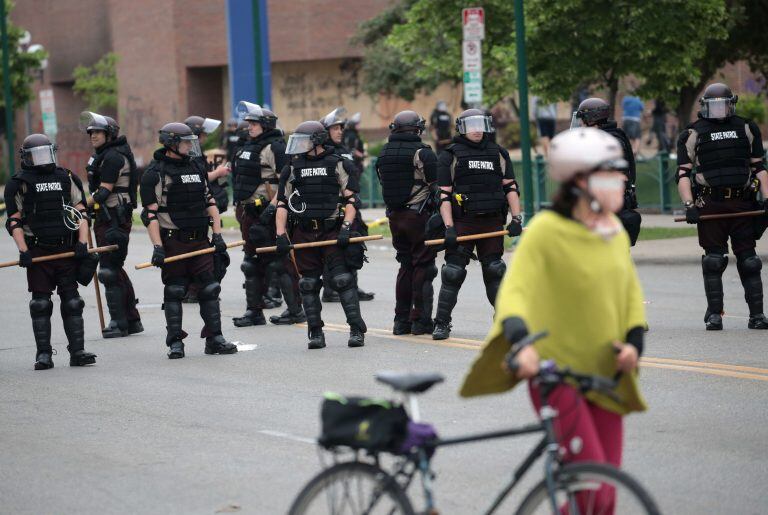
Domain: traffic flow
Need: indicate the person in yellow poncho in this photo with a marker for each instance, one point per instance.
(572, 275)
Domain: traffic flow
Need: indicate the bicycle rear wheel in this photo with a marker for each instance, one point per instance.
(590, 489)
(352, 488)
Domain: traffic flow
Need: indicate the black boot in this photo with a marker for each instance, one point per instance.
(316, 338)
(425, 325)
(713, 266)
(453, 277)
(174, 293)
(344, 283)
(294, 314)
(422, 327)
(757, 321)
(135, 327)
(210, 312)
(40, 309)
(72, 316)
(254, 314)
(749, 267)
(114, 295)
(401, 327)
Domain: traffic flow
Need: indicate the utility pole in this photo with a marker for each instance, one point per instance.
(7, 87)
(522, 87)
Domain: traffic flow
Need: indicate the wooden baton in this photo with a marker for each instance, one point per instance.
(187, 255)
(724, 216)
(469, 237)
(324, 243)
(63, 255)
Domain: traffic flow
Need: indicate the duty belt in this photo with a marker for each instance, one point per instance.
(50, 243)
(184, 235)
(319, 224)
(256, 206)
(726, 193)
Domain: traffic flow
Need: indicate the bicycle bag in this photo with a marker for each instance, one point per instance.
(362, 423)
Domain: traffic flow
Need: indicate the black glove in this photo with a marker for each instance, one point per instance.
(514, 329)
(267, 217)
(218, 241)
(692, 215)
(158, 255)
(25, 259)
(515, 227)
(283, 245)
(342, 241)
(81, 250)
(451, 242)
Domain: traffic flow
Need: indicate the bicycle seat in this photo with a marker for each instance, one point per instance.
(409, 382)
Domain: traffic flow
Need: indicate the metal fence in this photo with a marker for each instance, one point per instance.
(656, 189)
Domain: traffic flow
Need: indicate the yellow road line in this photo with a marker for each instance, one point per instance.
(700, 367)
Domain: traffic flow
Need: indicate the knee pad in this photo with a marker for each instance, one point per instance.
(714, 263)
(72, 305)
(41, 307)
(495, 268)
(453, 275)
(750, 265)
(174, 292)
(210, 291)
(108, 275)
(343, 281)
(430, 272)
(310, 284)
(276, 266)
(249, 267)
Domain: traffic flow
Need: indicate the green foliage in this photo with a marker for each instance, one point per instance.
(97, 84)
(752, 107)
(213, 140)
(22, 65)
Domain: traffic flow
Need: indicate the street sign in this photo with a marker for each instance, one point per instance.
(473, 22)
(473, 88)
(48, 110)
(472, 56)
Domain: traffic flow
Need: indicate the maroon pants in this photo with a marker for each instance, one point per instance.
(487, 250)
(417, 263)
(48, 276)
(311, 260)
(247, 220)
(714, 234)
(116, 260)
(187, 271)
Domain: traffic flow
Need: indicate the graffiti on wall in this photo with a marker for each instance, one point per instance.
(310, 95)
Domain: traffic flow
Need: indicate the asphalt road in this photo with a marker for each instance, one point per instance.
(138, 433)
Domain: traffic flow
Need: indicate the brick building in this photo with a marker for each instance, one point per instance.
(173, 63)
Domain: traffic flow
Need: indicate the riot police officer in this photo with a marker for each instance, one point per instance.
(113, 182)
(720, 165)
(477, 188)
(595, 112)
(407, 168)
(334, 122)
(178, 208)
(257, 166)
(440, 123)
(351, 139)
(230, 139)
(217, 177)
(314, 188)
(47, 215)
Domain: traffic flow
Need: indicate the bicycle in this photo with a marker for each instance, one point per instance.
(576, 488)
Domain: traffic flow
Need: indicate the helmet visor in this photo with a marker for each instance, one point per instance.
(210, 125)
(194, 145)
(576, 121)
(335, 117)
(92, 121)
(43, 155)
(299, 144)
(717, 108)
(246, 108)
(477, 123)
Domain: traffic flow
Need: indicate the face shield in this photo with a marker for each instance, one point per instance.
(718, 108)
(40, 156)
(335, 117)
(92, 121)
(210, 125)
(244, 109)
(299, 144)
(477, 123)
(355, 119)
(576, 121)
(192, 143)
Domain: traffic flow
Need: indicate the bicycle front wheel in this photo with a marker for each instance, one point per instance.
(352, 488)
(590, 489)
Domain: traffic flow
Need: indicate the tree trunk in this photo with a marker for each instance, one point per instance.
(613, 90)
(686, 101)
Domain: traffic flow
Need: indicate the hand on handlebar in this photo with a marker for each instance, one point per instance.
(524, 365)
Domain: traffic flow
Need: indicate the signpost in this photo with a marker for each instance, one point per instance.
(48, 110)
(473, 23)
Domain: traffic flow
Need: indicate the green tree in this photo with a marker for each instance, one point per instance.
(97, 84)
(22, 65)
